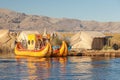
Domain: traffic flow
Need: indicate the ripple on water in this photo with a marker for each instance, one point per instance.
(83, 68)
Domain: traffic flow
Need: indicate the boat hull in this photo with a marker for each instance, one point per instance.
(46, 52)
(63, 51)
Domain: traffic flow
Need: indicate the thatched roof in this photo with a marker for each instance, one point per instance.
(4, 35)
(95, 34)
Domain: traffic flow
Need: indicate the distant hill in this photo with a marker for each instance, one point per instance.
(15, 20)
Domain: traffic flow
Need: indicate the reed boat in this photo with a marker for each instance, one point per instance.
(62, 51)
(43, 52)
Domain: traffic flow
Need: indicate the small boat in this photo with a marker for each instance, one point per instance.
(43, 52)
(62, 51)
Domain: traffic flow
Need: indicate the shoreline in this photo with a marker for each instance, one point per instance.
(104, 53)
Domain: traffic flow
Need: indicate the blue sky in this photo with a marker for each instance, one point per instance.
(98, 10)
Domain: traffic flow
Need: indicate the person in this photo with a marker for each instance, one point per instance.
(24, 44)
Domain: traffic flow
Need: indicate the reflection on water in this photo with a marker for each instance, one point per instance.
(79, 68)
(42, 68)
(36, 68)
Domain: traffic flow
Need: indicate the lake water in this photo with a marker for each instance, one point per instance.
(60, 68)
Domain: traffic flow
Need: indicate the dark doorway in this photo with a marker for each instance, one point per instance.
(98, 43)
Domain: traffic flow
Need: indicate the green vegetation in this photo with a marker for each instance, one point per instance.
(107, 47)
(56, 41)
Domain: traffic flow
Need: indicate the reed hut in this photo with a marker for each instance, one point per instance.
(88, 40)
(6, 40)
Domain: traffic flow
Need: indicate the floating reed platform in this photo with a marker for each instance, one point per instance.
(106, 53)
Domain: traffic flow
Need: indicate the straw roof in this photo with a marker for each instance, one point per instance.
(4, 35)
(95, 34)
